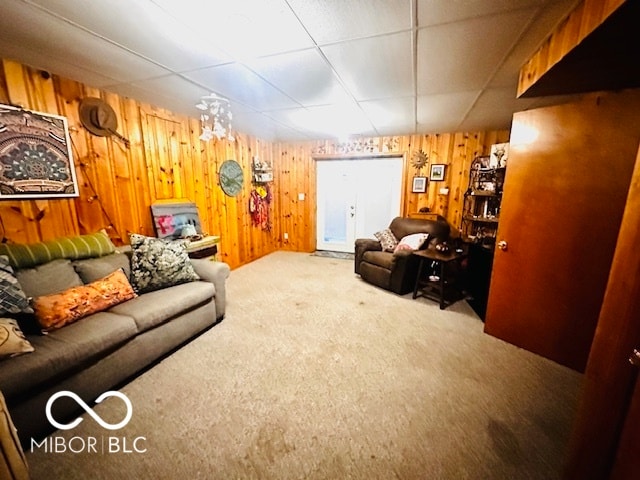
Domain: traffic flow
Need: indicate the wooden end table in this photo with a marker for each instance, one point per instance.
(443, 289)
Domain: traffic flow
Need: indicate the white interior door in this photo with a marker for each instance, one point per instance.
(356, 198)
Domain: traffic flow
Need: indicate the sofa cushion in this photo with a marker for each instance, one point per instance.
(415, 241)
(92, 269)
(12, 340)
(51, 277)
(79, 246)
(154, 308)
(381, 259)
(157, 263)
(12, 296)
(387, 239)
(60, 309)
(65, 350)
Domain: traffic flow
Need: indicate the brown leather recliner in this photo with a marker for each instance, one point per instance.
(397, 271)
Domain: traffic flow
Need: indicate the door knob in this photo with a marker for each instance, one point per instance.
(634, 359)
(502, 245)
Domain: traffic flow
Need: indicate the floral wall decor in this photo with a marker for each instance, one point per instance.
(35, 155)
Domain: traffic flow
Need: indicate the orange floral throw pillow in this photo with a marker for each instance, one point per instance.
(60, 309)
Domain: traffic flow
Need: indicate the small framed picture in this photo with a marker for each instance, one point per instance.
(419, 184)
(437, 173)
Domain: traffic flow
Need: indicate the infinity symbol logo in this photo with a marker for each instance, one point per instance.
(89, 410)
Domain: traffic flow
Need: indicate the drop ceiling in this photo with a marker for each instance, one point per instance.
(297, 69)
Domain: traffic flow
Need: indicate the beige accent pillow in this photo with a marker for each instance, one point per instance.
(12, 340)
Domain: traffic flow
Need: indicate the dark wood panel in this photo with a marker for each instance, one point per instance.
(609, 377)
(607, 59)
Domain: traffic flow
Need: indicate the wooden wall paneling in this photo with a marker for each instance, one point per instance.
(103, 181)
(284, 170)
(88, 210)
(131, 203)
(31, 90)
(166, 159)
(57, 213)
(195, 186)
(299, 181)
(580, 23)
(609, 377)
(135, 208)
(279, 160)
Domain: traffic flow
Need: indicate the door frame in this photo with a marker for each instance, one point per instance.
(358, 156)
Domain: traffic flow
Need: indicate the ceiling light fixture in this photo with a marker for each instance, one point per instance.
(215, 118)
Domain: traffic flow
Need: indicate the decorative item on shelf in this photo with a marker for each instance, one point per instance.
(481, 208)
(437, 173)
(262, 171)
(499, 155)
(419, 185)
(215, 117)
(442, 247)
(231, 177)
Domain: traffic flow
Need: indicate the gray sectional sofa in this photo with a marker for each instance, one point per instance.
(105, 349)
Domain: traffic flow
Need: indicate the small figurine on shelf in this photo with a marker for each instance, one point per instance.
(442, 247)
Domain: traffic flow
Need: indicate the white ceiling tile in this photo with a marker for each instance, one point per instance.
(334, 121)
(239, 84)
(174, 92)
(304, 75)
(443, 113)
(319, 54)
(182, 45)
(391, 116)
(464, 56)
(243, 28)
(37, 30)
(436, 12)
(330, 21)
(494, 108)
(374, 68)
(41, 60)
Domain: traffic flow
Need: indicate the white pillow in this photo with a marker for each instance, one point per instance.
(415, 241)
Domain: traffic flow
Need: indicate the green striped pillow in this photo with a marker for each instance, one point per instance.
(74, 248)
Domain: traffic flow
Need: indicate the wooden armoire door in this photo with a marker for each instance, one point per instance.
(567, 179)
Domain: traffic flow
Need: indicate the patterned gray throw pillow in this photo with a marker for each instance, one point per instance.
(387, 239)
(12, 297)
(157, 263)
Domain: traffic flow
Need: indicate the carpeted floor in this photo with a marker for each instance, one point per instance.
(315, 374)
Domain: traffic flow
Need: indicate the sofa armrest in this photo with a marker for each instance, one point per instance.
(216, 273)
(363, 245)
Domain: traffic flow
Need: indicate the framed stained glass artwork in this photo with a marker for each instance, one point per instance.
(35, 155)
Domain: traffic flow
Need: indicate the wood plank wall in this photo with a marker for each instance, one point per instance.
(166, 160)
(583, 20)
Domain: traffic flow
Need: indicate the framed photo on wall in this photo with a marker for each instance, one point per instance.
(437, 173)
(419, 185)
